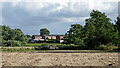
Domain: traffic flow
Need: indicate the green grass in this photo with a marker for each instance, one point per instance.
(39, 44)
(57, 44)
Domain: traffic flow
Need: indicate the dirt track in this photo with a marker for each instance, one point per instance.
(59, 59)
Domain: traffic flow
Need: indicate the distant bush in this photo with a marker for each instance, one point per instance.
(107, 47)
(47, 46)
(52, 40)
(101, 47)
(12, 43)
(13, 37)
(119, 46)
(69, 47)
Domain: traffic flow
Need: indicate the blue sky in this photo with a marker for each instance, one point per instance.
(57, 16)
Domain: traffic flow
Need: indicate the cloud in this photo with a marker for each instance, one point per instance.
(31, 16)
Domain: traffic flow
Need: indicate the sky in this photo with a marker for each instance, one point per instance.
(56, 16)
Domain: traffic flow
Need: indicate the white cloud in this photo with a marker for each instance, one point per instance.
(37, 5)
(40, 14)
(59, 8)
(101, 5)
(54, 1)
(74, 19)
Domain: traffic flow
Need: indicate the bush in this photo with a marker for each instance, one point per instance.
(46, 46)
(119, 46)
(42, 47)
(111, 46)
(52, 40)
(107, 47)
(24, 43)
(12, 43)
(101, 47)
(53, 47)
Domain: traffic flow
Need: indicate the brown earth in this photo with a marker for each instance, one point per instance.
(59, 59)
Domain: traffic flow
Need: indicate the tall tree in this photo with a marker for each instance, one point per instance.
(99, 30)
(12, 35)
(117, 25)
(44, 31)
(74, 35)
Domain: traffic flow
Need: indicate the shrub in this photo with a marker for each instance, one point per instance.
(42, 47)
(52, 40)
(111, 46)
(23, 43)
(53, 47)
(12, 43)
(45, 47)
(107, 47)
(119, 46)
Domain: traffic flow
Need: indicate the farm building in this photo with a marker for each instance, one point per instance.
(45, 37)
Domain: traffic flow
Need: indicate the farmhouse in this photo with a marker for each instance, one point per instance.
(46, 37)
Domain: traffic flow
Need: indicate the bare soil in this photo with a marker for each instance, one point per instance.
(59, 59)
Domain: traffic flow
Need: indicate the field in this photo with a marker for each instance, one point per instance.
(28, 56)
(59, 59)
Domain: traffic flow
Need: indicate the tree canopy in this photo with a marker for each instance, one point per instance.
(117, 25)
(74, 35)
(97, 30)
(44, 31)
(9, 34)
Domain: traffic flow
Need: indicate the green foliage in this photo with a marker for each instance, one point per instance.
(13, 35)
(49, 46)
(117, 25)
(109, 46)
(29, 36)
(44, 31)
(12, 43)
(97, 30)
(74, 35)
(52, 40)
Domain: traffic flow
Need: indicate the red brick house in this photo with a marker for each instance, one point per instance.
(56, 37)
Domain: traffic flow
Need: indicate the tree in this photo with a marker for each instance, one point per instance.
(44, 31)
(29, 37)
(74, 35)
(99, 30)
(13, 35)
(117, 25)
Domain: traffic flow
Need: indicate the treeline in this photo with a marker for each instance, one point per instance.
(97, 31)
(13, 37)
